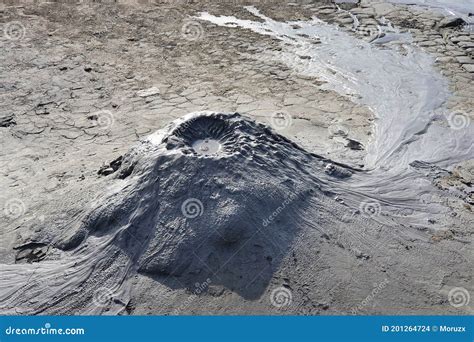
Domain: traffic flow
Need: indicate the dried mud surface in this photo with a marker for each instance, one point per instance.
(294, 212)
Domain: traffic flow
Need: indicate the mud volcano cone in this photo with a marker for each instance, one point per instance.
(214, 199)
(212, 196)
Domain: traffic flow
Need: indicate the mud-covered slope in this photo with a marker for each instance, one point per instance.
(184, 202)
(190, 196)
(219, 198)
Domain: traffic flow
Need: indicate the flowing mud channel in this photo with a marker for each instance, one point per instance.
(276, 158)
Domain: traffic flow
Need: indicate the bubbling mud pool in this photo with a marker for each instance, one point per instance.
(199, 198)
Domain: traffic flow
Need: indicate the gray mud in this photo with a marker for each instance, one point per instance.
(179, 216)
(334, 178)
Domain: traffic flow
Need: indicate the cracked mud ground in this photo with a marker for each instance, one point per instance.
(82, 83)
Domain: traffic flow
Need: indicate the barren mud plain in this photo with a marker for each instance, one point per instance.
(236, 157)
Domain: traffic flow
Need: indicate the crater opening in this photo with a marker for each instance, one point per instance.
(207, 146)
(205, 136)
